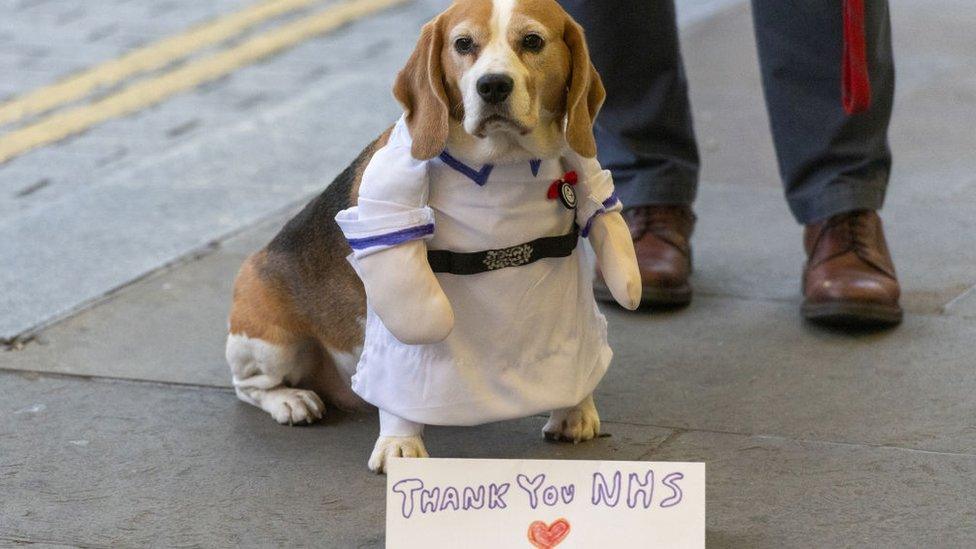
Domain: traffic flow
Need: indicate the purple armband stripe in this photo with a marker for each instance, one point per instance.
(607, 204)
(391, 239)
(589, 223)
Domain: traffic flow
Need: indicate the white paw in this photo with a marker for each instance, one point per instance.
(576, 424)
(293, 406)
(391, 447)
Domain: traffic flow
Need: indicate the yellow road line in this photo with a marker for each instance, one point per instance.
(145, 59)
(154, 90)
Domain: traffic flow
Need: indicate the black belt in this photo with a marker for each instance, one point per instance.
(444, 261)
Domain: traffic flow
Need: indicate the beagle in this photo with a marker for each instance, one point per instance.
(439, 277)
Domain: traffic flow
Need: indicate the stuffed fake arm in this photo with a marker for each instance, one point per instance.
(598, 213)
(387, 231)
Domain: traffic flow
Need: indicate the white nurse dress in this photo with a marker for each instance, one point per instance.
(527, 338)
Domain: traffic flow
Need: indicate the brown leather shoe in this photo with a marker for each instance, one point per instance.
(662, 235)
(849, 278)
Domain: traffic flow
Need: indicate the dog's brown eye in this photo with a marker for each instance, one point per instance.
(532, 42)
(464, 45)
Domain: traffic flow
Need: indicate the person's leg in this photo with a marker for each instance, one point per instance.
(644, 132)
(834, 166)
(830, 162)
(645, 137)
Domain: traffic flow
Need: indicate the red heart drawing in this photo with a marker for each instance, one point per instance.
(547, 536)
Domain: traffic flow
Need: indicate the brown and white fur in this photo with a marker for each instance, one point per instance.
(296, 324)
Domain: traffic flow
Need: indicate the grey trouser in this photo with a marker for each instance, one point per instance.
(830, 162)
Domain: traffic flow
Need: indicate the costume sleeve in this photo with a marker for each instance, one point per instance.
(596, 193)
(392, 206)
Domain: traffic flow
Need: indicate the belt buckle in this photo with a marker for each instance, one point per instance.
(508, 257)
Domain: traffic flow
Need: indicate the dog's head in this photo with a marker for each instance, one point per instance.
(500, 78)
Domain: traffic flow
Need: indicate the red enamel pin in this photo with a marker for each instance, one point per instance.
(563, 190)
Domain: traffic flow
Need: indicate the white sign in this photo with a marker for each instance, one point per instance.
(470, 503)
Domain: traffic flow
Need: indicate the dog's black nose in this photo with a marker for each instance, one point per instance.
(495, 88)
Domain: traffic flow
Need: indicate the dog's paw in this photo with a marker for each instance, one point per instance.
(391, 447)
(293, 406)
(575, 424)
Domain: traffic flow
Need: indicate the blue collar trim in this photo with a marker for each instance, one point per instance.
(534, 166)
(479, 177)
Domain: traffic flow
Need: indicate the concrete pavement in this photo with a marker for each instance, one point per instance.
(118, 427)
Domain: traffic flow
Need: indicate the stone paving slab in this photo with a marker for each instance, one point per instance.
(964, 305)
(691, 12)
(168, 328)
(755, 367)
(768, 492)
(727, 102)
(136, 465)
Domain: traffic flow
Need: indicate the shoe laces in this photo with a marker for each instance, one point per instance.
(855, 224)
(656, 219)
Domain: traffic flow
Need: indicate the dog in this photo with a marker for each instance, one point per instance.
(331, 304)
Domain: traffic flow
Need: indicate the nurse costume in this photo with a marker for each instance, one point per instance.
(528, 338)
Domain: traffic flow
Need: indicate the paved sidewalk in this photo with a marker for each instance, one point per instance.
(118, 427)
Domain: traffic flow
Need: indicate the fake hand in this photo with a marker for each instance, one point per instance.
(402, 289)
(615, 254)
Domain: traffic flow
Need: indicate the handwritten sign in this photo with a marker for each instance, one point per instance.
(470, 503)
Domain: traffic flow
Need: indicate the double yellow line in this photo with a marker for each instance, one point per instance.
(151, 91)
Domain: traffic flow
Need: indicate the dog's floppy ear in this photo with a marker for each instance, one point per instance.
(586, 93)
(419, 88)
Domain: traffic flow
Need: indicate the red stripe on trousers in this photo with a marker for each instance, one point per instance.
(856, 87)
